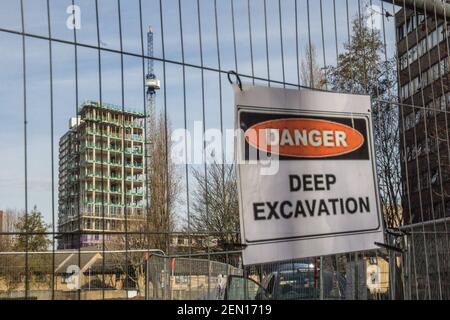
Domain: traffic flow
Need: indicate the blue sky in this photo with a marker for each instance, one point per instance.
(12, 164)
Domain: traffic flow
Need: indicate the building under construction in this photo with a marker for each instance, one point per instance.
(101, 174)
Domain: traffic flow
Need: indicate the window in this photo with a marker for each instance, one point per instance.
(437, 210)
(40, 277)
(415, 85)
(422, 47)
(413, 54)
(420, 19)
(415, 184)
(436, 36)
(181, 279)
(443, 67)
(442, 103)
(436, 72)
(447, 205)
(404, 61)
(406, 153)
(432, 144)
(441, 33)
(434, 177)
(431, 41)
(424, 181)
(409, 121)
(409, 153)
(405, 91)
(430, 112)
(66, 278)
(271, 285)
(401, 31)
(418, 115)
(410, 24)
(418, 149)
(425, 80)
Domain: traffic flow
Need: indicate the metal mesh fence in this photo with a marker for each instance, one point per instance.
(92, 99)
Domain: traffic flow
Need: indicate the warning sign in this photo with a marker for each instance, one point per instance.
(306, 174)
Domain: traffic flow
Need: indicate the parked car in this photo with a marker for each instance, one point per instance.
(290, 281)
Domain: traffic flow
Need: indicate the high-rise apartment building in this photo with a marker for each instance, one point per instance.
(101, 174)
(425, 125)
(422, 48)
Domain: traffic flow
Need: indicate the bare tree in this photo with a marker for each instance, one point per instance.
(152, 231)
(311, 73)
(10, 217)
(388, 159)
(130, 263)
(215, 206)
(9, 273)
(163, 182)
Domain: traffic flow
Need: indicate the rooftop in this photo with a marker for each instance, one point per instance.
(110, 107)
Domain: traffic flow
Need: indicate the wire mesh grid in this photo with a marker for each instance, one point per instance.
(101, 208)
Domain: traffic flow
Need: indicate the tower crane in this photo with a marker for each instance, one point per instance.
(151, 82)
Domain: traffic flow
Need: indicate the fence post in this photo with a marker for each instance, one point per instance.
(408, 265)
(147, 284)
(393, 275)
(163, 280)
(321, 278)
(392, 271)
(407, 269)
(209, 278)
(245, 283)
(171, 277)
(356, 276)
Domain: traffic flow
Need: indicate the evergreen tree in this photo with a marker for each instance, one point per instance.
(364, 69)
(32, 228)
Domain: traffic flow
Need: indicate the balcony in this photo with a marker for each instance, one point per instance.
(116, 191)
(135, 151)
(136, 178)
(135, 192)
(135, 165)
(111, 163)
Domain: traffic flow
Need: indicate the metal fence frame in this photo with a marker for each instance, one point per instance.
(403, 243)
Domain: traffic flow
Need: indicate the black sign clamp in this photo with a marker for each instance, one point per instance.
(388, 247)
(238, 79)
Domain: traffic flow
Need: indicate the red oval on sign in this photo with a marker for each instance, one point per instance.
(304, 138)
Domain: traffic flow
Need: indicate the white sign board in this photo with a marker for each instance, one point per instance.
(306, 174)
